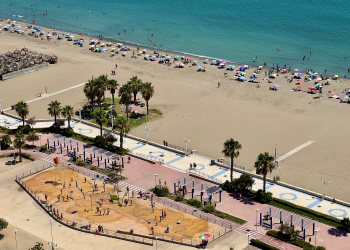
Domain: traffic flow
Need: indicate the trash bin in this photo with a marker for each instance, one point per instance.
(212, 162)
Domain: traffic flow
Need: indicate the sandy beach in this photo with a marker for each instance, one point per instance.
(256, 117)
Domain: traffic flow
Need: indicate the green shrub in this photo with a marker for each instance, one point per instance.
(43, 148)
(3, 224)
(195, 203)
(209, 208)
(26, 129)
(93, 167)
(284, 237)
(345, 222)
(81, 163)
(5, 142)
(27, 156)
(100, 141)
(161, 191)
(263, 197)
(241, 184)
(179, 197)
(320, 248)
(68, 131)
(262, 245)
(126, 201)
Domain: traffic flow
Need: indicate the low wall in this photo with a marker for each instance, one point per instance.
(24, 71)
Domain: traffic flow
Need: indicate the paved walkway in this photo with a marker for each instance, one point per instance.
(327, 236)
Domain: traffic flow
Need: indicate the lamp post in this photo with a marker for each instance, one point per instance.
(316, 230)
(155, 179)
(185, 139)
(325, 180)
(79, 107)
(248, 240)
(111, 116)
(275, 163)
(156, 243)
(257, 211)
(52, 244)
(15, 231)
(147, 128)
(0, 104)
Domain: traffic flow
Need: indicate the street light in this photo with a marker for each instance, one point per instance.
(316, 230)
(257, 211)
(325, 180)
(51, 244)
(156, 243)
(0, 104)
(155, 179)
(185, 138)
(79, 107)
(248, 240)
(275, 163)
(111, 116)
(147, 128)
(16, 237)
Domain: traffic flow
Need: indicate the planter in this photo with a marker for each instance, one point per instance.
(56, 160)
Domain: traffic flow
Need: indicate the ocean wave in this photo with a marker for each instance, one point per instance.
(19, 16)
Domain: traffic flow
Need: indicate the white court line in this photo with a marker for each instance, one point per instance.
(281, 158)
(49, 95)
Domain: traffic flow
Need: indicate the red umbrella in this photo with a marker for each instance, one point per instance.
(299, 87)
(208, 235)
(312, 88)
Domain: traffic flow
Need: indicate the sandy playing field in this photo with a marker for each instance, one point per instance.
(256, 117)
(137, 215)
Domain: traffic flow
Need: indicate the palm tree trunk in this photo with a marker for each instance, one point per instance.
(23, 120)
(121, 140)
(135, 98)
(69, 123)
(264, 179)
(101, 128)
(113, 98)
(147, 106)
(20, 154)
(231, 168)
(55, 119)
(127, 112)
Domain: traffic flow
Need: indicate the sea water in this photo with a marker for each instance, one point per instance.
(231, 30)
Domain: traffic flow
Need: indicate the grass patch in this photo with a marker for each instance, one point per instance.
(306, 212)
(155, 111)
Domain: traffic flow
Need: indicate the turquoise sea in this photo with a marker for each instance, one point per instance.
(231, 30)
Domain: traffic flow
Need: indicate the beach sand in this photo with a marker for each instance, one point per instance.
(257, 117)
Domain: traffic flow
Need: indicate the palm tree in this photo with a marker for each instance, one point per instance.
(19, 142)
(122, 126)
(147, 91)
(89, 90)
(100, 87)
(104, 81)
(100, 117)
(231, 148)
(55, 109)
(67, 112)
(263, 165)
(135, 85)
(22, 110)
(112, 85)
(126, 97)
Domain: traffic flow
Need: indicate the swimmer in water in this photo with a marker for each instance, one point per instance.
(190, 41)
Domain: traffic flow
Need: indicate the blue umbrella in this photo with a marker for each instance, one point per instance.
(252, 77)
(162, 59)
(218, 61)
(313, 74)
(67, 34)
(200, 67)
(195, 61)
(33, 30)
(100, 48)
(150, 56)
(242, 78)
(213, 61)
(59, 35)
(39, 28)
(168, 57)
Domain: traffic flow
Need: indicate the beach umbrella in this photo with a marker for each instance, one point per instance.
(276, 86)
(313, 88)
(335, 76)
(229, 66)
(100, 49)
(319, 79)
(243, 73)
(200, 67)
(67, 34)
(213, 61)
(59, 36)
(313, 74)
(300, 74)
(195, 61)
(237, 72)
(296, 70)
(298, 80)
(71, 36)
(176, 56)
(252, 77)
(284, 70)
(204, 67)
(332, 93)
(76, 40)
(150, 56)
(48, 34)
(346, 97)
(222, 64)
(242, 78)
(208, 235)
(203, 237)
(168, 57)
(338, 95)
(81, 38)
(299, 87)
(34, 30)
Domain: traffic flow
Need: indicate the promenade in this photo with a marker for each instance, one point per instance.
(175, 166)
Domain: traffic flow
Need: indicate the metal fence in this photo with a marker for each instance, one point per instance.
(24, 71)
(180, 148)
(204, 175)
(150, 157)
(228, 163)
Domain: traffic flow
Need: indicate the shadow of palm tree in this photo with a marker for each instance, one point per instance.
(337, 232)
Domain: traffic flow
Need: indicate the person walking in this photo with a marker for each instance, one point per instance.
(129, 158)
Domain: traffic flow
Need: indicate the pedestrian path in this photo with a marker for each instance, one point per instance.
(179, 162)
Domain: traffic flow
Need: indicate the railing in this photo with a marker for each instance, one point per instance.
(24, 71)
(194, 212)
(150, 157)
(227, 163)
(204, 175)
(180, 148)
